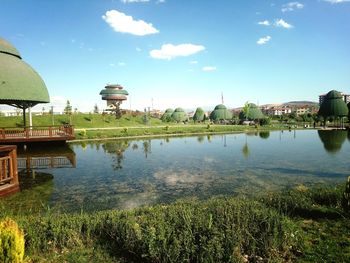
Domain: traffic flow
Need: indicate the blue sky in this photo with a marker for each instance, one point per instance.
(183, 53)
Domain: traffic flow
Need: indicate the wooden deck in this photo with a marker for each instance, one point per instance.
(8, 170)
(36, 134)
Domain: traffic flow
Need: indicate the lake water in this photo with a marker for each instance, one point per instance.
(126, 174)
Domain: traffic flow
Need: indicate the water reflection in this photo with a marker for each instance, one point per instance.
(332, 139)
(264, 134)
(125, 174)
(116, 149)
(35, 157)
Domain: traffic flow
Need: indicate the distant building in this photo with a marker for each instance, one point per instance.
(346, 98)
(276, 110)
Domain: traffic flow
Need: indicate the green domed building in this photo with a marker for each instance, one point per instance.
(179, 115)
(220, 113)
(20, 85)
(333, 106)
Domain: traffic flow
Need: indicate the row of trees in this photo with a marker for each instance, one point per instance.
(220, 113)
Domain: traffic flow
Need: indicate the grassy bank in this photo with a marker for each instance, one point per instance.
(302, 225)
(166, 131)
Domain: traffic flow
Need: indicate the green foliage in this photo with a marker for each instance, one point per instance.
(218, 230)
(11, 242)
(179, 115)
(251, 112)
(346, 197)
(199, 115)
(265, 121)
(68, 109)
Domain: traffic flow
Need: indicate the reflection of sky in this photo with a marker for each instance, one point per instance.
(185, 167)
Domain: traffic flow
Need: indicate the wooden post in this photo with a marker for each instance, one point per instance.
(50, 131)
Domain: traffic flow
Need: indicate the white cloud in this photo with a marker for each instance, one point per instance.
(282, 23)
(263, 40)
(291, 6)
(121, 64)
(209, 68)
(138, 49)
(123, 23)
(336, 1)
(193, 62)
(112, 64)
(133, 1)
(170, 51)
(160, 1)
(264, 23)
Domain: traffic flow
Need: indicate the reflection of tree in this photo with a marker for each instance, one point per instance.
(245, 150)
(147, 147)
(209, 138)
(200, 139)
(332, 140)
(264, 134)
(135, 146)
(118, 148)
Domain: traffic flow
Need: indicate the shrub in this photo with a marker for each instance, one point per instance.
(11, 241)
(82, 133)
(346, 197)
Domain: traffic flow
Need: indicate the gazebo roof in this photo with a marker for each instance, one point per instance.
(20, 84)
(6, 47)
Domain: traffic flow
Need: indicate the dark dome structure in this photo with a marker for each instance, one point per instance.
(220, 113)
(333, 105)
(20, 85)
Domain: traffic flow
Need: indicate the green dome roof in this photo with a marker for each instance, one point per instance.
(333, 105)
(20, 84)
(169, 110)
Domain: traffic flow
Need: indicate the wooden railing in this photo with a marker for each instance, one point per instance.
(8, 170)
(37, 132)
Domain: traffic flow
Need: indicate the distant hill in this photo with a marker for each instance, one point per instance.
(301, 102)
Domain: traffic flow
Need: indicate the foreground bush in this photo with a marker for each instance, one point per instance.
(11, 242)
(218, 230)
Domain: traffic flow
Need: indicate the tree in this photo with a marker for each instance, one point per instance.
(245, 110)
(96, 109)
(199, 115)
(68, 108)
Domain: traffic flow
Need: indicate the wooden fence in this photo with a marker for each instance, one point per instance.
(8, 170)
